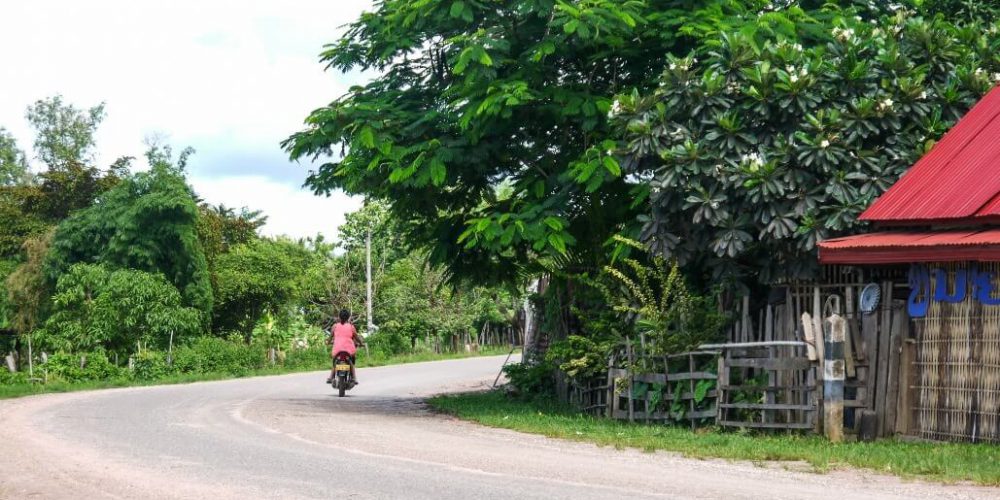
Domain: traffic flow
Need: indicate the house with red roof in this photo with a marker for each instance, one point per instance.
(930, 265)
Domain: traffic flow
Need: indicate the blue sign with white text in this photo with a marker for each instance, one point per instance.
(967, 283)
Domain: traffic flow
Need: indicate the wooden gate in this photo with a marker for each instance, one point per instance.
(767, 385)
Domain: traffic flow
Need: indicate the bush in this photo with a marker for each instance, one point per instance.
(316, 357)
(388, 342)
(151, 365)
(12, 378)
(215, 355)
(66, 366)
(531, 378)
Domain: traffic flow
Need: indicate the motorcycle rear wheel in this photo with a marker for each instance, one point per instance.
(341, 386)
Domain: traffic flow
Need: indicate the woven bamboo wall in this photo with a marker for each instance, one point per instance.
(957, 369)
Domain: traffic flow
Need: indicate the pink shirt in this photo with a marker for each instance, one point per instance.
(343, 338)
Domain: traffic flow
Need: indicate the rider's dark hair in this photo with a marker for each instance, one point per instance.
(344, 316)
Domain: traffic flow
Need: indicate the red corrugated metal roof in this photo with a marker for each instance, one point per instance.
(958, 180)
(913, 246)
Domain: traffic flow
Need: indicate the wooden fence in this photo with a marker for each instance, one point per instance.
(681, 392)
(767, 385)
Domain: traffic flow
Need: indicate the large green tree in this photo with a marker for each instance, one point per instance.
(758, 144)
(264, 276)
(64, 133)
(94, 307)
(147, 222)
(471, 95)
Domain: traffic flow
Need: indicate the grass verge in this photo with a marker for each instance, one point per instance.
(20, 390)
(943, 462)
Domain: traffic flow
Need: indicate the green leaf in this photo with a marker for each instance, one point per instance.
(554, 223)
(612, 166)
(438, 172)
(558, 243)
(571, 26)
(368, 137)
(457, 8)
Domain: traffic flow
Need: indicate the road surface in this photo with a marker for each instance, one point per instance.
(291, 437)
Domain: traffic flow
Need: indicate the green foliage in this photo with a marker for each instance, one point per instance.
(531, 378)
(13, 162)
(474, 95)
(150, 365)
(962, 10)
(17, 218)
(666, 313)
(66, 188)
(221, 228)
(758, 144)
(64, 134)
(147, 222)
(257, 278)
(215, 355)
(26, 288)
(94, 307)
(580, 357)
(67, 367)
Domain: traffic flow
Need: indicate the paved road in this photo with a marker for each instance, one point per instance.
(291, 437)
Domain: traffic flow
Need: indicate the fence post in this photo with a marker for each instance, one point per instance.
(833, 379)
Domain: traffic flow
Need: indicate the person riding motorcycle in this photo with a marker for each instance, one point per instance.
(344, 338)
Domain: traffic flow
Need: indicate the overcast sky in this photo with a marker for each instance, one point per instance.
(230, 78)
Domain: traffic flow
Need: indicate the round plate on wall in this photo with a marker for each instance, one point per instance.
(869, 298)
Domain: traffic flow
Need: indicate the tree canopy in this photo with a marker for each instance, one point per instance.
(64, 133)
(147, 222)
(471, 95)
(757, 145)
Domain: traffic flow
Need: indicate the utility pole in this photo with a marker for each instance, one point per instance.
(368, 277)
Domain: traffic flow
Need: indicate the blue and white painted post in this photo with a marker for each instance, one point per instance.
(833, 379)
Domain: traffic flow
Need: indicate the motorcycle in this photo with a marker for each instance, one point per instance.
(342, 381)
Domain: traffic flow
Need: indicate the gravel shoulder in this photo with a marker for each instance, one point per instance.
(291, 437)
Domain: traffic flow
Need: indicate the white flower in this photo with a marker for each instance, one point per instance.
(980, 71)
(793, 78)
(824, 144)
(885, 104)
(616, 108)
(754, 161)
(797, 47)
(790, 69)
(843, 34)
(673, 66)
(923, 95)
(996, 77)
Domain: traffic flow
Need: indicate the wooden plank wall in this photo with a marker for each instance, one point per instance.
(872, 358)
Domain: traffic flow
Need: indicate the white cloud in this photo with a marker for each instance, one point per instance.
(231, 78)
(290, 211)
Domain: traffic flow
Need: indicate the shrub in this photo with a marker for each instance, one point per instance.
(388, 342)
(531, 378)
(66, 366)
(316, 357)
(151, 365)
(215, 355)
(13, 378)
